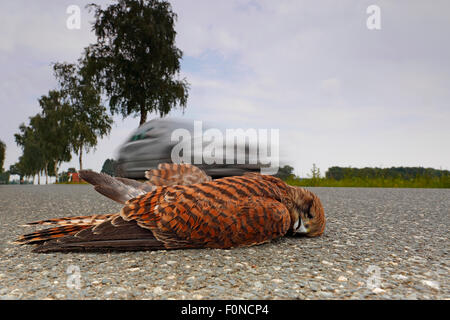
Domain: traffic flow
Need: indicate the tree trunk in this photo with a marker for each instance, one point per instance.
(46, 173)
(56, 171)
(143, 116)
(34, 176)
(81, 157)
(39, 177)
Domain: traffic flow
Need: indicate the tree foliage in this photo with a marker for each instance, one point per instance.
(71, 119)
(407, 173)
(4, 177)
(395, 177)
(32, 160)
(54, 126)
(134, 62)
(19, 168)
(108, 167)
(135, 59)
(87, 116)
(2, 155)
(44, 141)
(285, 172)
(315, 172)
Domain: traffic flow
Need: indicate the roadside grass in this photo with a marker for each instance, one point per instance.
(67, 182)
(419, 182)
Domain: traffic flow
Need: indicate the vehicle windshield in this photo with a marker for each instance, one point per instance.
(140, 134)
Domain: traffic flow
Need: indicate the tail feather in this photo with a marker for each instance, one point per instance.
(113, 235)
(49, 234)
(67, 221)
(100, 245)
(64, 227)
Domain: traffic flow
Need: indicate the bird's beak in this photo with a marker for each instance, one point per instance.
(301, 229)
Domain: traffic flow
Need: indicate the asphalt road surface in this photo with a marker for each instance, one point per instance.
(378, 244)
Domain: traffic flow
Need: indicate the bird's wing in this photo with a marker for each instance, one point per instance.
(185, 219)
(123, 189)
(119, 190)
(137, 184)
(225, 213)
(169, 174)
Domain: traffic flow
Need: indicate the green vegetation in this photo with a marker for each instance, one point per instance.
(71, 119)
(64, 176)
(88, 118)
(4, 176)
(134, 64)
(285, 173)
(135, 59)
(401, 177)
(2, 154)
(45, 141)
(108, 167)
(404, 173)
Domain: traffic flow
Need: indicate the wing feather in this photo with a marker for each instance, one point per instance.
(169, 174)
(123, 189)
(211, 214)
(115, 189)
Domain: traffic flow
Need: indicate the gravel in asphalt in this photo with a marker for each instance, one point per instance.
(378, 244)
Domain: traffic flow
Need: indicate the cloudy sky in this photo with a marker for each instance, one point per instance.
(339, 93)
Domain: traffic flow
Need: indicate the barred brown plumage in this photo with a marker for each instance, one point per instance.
(192, 211)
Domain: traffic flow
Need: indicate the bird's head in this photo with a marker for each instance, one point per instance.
(308, 216)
